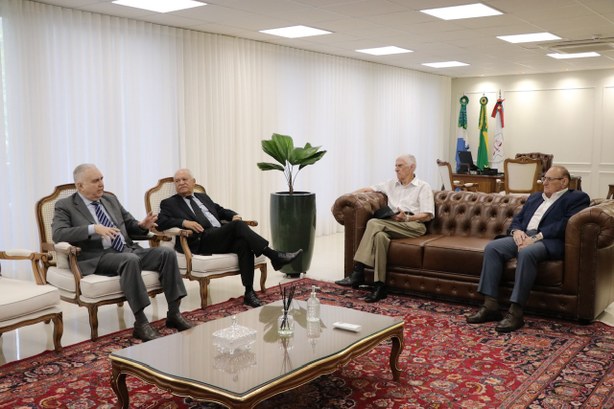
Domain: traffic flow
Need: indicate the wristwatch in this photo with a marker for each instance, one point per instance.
(537, 237)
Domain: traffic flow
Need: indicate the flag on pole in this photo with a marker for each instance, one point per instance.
(483, 146)
(497, 143)
(461, 137)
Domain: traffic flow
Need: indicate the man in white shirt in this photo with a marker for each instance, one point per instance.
(411, 199)
(536, 234)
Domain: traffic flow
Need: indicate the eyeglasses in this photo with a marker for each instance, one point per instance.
(547, 179)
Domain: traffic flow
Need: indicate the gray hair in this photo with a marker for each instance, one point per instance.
(186, 170)
(77, 174)
(409, 159)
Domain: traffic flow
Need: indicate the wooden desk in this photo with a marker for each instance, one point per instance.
(485, 183)
(488, 184)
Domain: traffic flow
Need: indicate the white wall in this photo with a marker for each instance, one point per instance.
(570, 115)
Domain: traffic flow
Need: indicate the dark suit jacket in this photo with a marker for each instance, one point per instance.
(72, 218)
(553, 223)
(174, 210)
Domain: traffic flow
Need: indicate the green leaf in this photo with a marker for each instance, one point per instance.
(281, 148)
(269, 166)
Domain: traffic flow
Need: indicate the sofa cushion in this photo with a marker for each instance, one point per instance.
(19, 298)
(96, 287)
(203, 266)
(409, 252)
(549, 273)
(455, 254)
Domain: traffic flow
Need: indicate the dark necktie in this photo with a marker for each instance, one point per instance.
(117, 243)
(202, 216)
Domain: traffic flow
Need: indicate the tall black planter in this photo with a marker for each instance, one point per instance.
(293, 227)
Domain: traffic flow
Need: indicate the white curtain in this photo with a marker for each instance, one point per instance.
(141, 100)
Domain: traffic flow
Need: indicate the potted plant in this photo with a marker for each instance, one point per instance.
(293, 213)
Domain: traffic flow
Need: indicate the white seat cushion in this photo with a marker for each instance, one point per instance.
(203, 266)
(19, 298)
(96, 287)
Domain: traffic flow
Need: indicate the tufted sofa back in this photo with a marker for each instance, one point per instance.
(475, 214)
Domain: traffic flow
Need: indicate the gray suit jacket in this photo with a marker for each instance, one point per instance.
(72, 218)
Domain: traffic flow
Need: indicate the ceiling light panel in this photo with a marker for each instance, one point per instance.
(445, 64)
(575, 55)
(295, 32)
(529, 38)
(160, 6)
(389, 50)
(461, 12)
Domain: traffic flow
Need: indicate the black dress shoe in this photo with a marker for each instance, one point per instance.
(379, 293)
(252, 299)
(355, 280)
(509, 323)
(284, 258)
(484, 315)
(145, 332)
(178, 322)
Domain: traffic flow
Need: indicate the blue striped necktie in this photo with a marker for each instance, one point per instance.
(117, 243)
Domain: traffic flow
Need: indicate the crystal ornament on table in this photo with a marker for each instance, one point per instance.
(234, 363)
(234, 338)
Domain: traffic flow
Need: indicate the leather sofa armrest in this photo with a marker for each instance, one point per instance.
(589, 257)
(353, 210)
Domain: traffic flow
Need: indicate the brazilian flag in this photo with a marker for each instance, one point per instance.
(483, 146)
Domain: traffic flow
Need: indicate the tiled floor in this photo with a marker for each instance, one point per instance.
(327, 265)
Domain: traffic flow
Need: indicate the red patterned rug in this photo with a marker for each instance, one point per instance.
(446, 362)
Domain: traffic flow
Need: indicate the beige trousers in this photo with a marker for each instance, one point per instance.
(373, 248)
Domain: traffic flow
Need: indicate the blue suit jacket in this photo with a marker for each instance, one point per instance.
(553, 223)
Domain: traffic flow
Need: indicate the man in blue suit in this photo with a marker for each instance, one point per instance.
(536, 234)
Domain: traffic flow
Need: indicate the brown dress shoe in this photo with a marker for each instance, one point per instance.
(251, 299)
(379, 293)
(354, 280)
(510, 323)
(284, 258)
(484, 315)
(145, 332)
(178, 322)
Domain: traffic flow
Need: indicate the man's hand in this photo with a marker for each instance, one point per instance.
(192, 225)
(237, 217)
(400, 216)
(149, 221)
(106, 232)
(521, 239)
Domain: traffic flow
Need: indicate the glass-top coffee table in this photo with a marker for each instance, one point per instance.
(188, 363)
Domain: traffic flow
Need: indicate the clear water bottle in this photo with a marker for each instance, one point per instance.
(313, 306)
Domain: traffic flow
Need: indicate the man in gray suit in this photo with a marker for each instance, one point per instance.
(96, 222)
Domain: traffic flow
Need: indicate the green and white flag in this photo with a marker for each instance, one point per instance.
(483, 146)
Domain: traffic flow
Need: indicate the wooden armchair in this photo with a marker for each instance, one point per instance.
(60, 268)
(545, 159)
(29, 302)
(193, 266)
(521, 175)
(445, 171)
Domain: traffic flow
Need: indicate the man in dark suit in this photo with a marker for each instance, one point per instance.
(537, 233)
(96, 222)
(197, 212)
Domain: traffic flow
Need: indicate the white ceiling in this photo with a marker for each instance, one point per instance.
(358, 24)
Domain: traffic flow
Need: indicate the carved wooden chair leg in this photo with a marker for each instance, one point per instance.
(263, 277)
(93, 313)
(58, 330)
(204, 293)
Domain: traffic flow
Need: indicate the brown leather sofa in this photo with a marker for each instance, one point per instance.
(446, 262)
